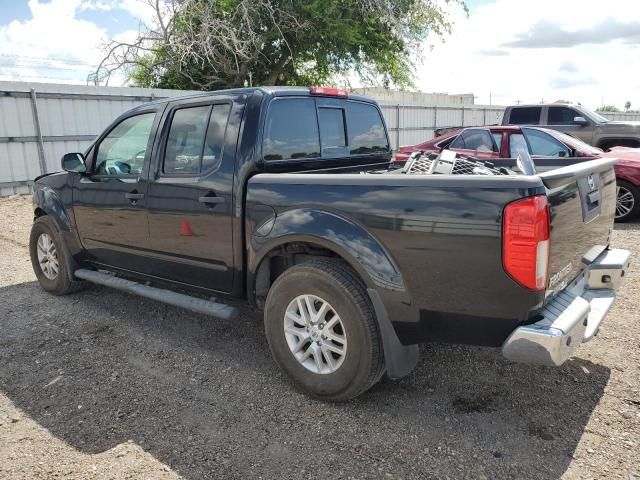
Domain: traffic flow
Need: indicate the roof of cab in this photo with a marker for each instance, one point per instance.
(279, 91)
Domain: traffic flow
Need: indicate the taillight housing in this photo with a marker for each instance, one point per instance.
(328, 91)
(525, 241)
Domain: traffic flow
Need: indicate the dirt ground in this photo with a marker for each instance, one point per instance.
(101, 384)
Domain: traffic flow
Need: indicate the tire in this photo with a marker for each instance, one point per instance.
(627, 201)
(55, 281)
(343, 376)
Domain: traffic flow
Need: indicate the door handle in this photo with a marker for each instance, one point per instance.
(211, 200)
(134, 196)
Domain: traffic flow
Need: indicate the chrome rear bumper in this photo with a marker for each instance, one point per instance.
(573, 316)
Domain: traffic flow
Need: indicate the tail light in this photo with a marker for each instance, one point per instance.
(331, 92)
(525, 241)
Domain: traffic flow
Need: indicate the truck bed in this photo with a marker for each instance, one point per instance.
(432, 244)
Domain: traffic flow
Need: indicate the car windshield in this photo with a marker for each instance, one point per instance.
(575, 143)
(596, 117)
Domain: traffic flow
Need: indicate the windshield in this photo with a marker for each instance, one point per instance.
(596, 117)
(575, 143)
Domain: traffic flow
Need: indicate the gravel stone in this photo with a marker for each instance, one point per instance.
(167, 393)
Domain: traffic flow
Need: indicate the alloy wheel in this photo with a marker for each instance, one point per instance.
(47, 256)
(315, 334)
(624, 201)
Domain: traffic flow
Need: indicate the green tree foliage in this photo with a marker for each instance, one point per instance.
(608, 108)
(213, 44)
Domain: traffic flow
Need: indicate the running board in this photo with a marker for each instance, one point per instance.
(219, 310)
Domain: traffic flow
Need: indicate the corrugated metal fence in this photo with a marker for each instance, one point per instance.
(40, 122)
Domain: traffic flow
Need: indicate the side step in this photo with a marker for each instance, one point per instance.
(225, 312)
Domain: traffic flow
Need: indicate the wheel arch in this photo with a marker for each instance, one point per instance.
(48, 202)
(308, 233)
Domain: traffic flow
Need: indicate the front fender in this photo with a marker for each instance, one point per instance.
(49, 201)
(341, 235)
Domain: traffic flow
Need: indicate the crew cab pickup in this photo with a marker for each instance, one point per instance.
(578, 121)
(282, 197)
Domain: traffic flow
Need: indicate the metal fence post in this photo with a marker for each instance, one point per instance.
(463, 115)
(435, 119)
(397, 126)
(36, 123)
(484, 116)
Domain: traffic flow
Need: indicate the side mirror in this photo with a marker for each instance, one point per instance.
(580, 121)
(74, 162)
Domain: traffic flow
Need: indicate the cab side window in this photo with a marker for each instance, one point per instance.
(525, 116)
(196, 139)
(183, 152)
(561, 116)
(122, 152)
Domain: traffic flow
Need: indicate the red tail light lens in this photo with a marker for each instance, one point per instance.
(331, 92)
(525, 241)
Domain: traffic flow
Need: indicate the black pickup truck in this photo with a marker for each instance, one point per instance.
(280, 197)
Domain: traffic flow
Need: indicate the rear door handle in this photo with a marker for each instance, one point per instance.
(211, 200)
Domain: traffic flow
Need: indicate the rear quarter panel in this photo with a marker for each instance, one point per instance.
(442, 233)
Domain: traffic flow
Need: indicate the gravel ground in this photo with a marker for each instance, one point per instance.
(101, 384)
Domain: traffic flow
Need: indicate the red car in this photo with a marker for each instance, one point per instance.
(496, 142)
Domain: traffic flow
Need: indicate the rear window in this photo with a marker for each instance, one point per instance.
(291, 130)
(366, 130)
(332, 131)
(299, 128)
(525, 116)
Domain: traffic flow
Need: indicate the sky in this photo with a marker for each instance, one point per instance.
(504, 51)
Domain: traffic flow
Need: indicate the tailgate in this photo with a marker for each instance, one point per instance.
(582, 199)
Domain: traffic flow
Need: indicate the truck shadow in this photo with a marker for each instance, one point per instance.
(204, 397)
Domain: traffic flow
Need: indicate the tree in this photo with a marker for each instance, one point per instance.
(212, 44)
(627, 106)
(608, 108)
(563, 101)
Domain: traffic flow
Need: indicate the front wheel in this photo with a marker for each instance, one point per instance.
(322, 330)
(627, 201)
(48, 258)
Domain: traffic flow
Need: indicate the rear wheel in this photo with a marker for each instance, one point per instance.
(322, 331)
(49, 258)
(627, 201)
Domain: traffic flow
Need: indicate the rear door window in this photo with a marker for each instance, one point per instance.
(196, 139)
(525, 116)
(475, 139)
(291, 130)
(366, 129)
(183, 152)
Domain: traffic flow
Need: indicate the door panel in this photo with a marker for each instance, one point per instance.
(109, 203)
(190, 213)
